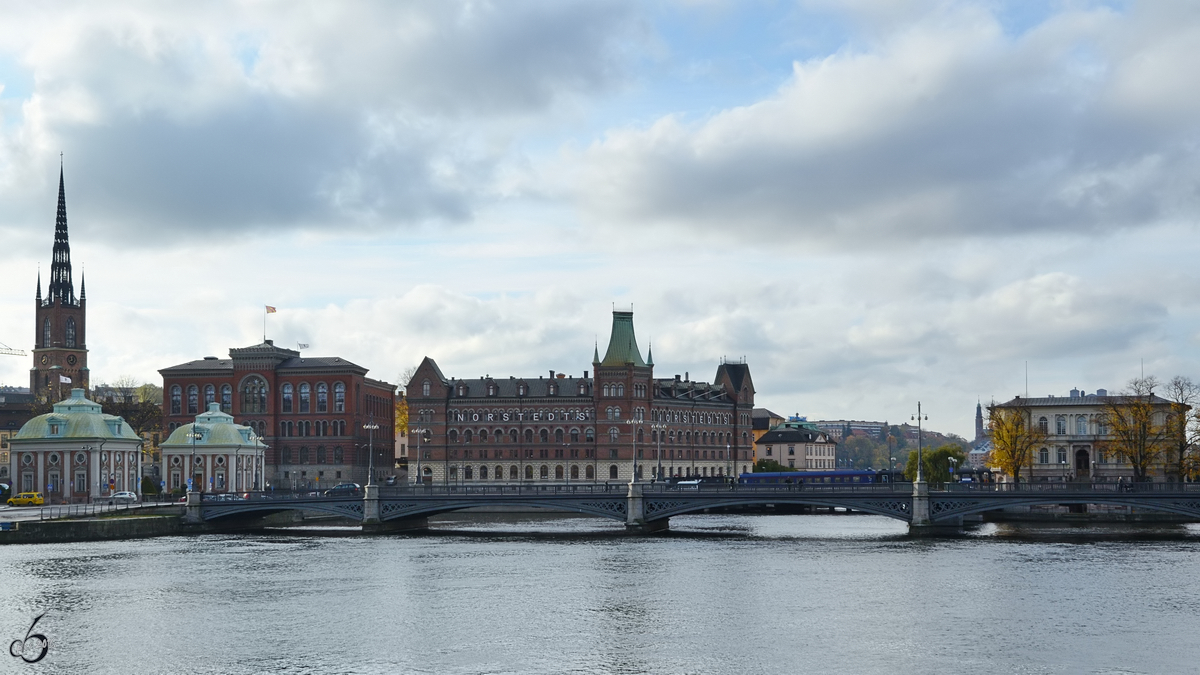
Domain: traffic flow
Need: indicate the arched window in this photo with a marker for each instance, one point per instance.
(287, 394)
(512, 436)
(322, 397)
(620, 390)
(210, 395)
(512, 473)
(574, 471)
(491, 389)
(558, 435)
(612, 471)
(529, 435)
(468, 436)
(424, 388)
(582, 388)
(574, 435)
(605, 390)
(589, 472)
(544, 436)
(254, 395)
(589, 435)
(483, 473)
(320, 454)
(70, 331)
(1081, 425)
(544, 472)
(483, 435)
(1044, 456)
(337, 454)
(558, 472)
(193, 399)
(1060, 424)
(1043, 425)
(453, 436)
(226, 398)
(614, 434)
(640, 438)
(528, 472)
(46, 333)
(176, 400)
(305, 398)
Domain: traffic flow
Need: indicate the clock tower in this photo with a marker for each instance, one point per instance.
(60, 343)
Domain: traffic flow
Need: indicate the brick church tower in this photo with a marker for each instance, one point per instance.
(60, 342)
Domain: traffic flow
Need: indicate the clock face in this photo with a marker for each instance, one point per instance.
(71, 359)
(45, 359)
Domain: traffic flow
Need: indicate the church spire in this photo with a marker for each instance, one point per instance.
(61, 288)
(82, 287)
(39, 291)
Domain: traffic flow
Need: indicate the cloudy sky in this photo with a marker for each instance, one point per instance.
(874, 202)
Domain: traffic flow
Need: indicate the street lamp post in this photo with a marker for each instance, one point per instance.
(953, 466)
(633, 432)
(732, 464)
(659, 430)
(370, 426)
(420, 432)
(194, 435)
(918, 418)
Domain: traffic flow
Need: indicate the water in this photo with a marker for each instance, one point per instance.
(720, 594)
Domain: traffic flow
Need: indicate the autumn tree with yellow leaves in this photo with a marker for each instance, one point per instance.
(1014, 438)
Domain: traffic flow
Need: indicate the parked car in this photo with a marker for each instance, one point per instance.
(27, 499)
(391, 480)
(124, 497)
(344, 490)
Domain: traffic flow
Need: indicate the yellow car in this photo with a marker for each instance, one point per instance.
(27, 499)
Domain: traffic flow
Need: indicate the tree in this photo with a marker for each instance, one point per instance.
(935, 463)
(770, 466)
(1014, 438)
(150, 393)
(401, 415)
(1183, 426)
(1137, 426)
(405, 377)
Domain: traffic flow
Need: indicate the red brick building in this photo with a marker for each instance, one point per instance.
(589, 428)
(311, 411)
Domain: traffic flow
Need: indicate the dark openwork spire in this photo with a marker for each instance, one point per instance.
(61, 288)
(39, 291)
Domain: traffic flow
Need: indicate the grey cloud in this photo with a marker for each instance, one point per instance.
(945, 128)
(277, 116)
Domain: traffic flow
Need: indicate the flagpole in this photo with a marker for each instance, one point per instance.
(264, 324)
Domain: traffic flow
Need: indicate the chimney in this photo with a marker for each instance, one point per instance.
(552, 374)
(685, 376)
(677, 377)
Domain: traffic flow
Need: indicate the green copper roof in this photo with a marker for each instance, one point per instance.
(76, 417)
(622, 344)
(215, 428)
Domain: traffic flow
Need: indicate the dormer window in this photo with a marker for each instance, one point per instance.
(520, 390)
(491, 390)
(550, 390)
(582, 388)
(55, 429)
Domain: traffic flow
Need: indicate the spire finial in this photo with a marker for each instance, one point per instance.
(61, 288)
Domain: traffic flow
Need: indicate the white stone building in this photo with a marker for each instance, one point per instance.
(75, 453)
(225, 457)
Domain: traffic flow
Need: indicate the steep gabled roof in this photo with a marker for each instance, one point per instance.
(622, 344)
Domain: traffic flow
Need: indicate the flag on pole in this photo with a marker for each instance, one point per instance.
(301, 345)
(63, 379)
(270, 309)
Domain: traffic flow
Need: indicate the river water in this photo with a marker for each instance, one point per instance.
(720, 594)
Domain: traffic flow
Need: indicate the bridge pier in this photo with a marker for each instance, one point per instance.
(370, 505)
(191, 509)
(635, 514)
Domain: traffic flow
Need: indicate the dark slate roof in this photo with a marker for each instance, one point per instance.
(568, 387)
(737, 373)
(677, 389)
(202, 364)
(794, 433)
(436, 370)
(294, 363)
(1064, 401)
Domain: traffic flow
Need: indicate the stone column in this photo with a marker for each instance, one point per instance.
(371, 504)
(635, 513)
(191, 512)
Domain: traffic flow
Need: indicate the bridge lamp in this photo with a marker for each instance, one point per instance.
(659, 430)
(371, 427)
(918, 419)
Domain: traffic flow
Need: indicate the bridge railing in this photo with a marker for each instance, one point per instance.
(524, 489)
(82, 510)
(1076, 487)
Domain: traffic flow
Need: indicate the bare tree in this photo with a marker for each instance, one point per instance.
(406, 376)
(1137, 422)
(1014, 437)
(1183, 426)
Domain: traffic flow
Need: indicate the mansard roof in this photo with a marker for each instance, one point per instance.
(566, 387)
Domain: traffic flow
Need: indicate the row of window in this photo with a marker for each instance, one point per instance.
(701, 418)
(70, 333)
(312, 428)
(1061, 424)
(254, 397)
(482, 472)
(302, 455)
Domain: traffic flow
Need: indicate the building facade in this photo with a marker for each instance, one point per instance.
(315, 414)
(799, 444)
(60, 340)
(616, 422)
(1076, 437)
(224, 456)
(76, 453)
(762, 421)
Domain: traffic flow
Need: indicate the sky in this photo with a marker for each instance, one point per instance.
(873, 202)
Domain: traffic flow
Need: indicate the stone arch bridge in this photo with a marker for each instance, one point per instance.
(648, 507)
